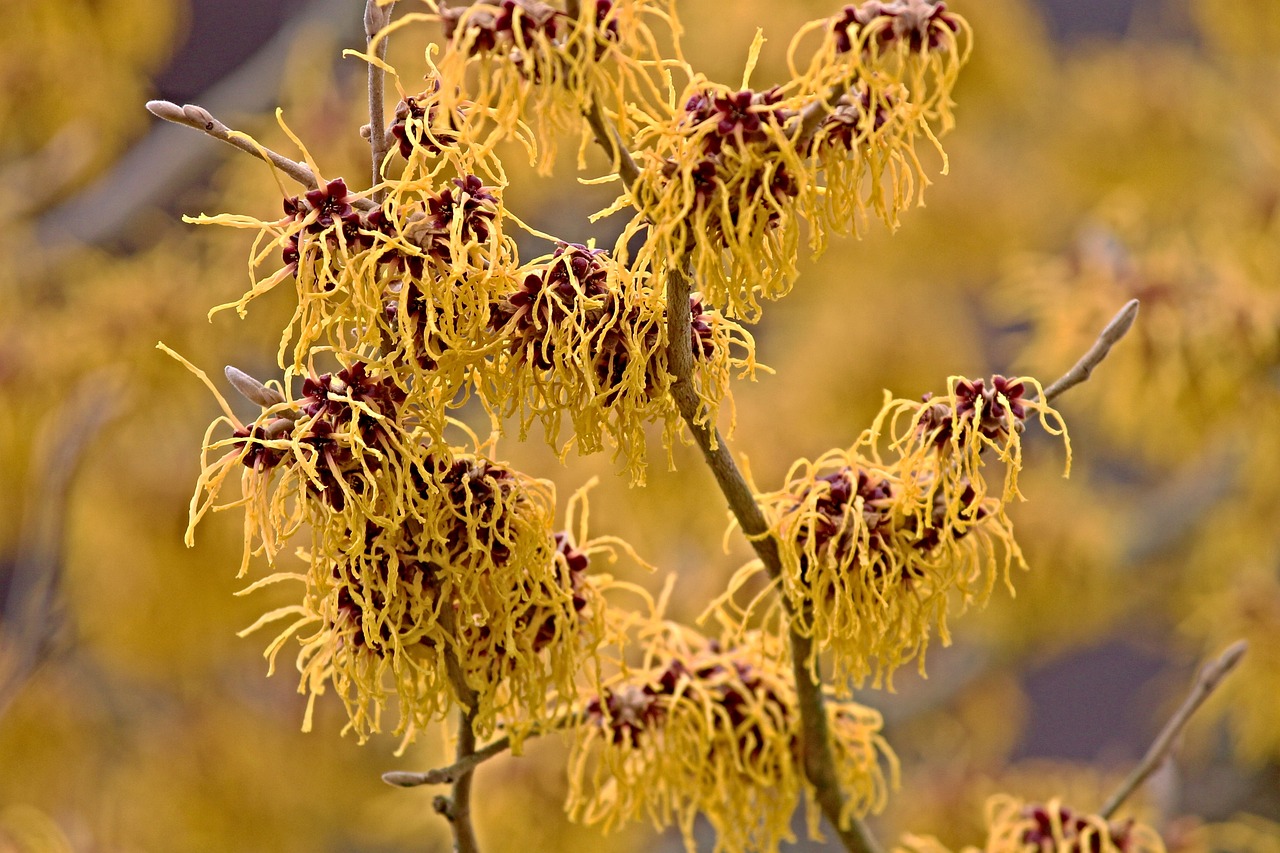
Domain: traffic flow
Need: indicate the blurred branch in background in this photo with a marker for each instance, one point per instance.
(164, 158)
(1207, 681)
(30, 611)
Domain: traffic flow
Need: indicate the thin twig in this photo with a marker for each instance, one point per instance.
(605, 132)
(202, 120)
(818, 761)
(457, 808)
(447, 775)
(376, 18)
(612, 143)
(1211, 675)
(150, 169)
(1109, 337)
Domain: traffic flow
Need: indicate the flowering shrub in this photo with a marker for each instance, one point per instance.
(435, 578)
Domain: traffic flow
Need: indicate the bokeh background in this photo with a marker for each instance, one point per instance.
(1104, 150)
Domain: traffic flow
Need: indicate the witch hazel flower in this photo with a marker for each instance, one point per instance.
(719, 181)
(726, 173)
(550, 67)
(732, 707)
(468, 597)
(1016, 826)
(586, 341)
(433, 577)
(977, 421)
(880, 543)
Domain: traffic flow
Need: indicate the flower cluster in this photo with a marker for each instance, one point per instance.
(876, 545)
(713, 730)
(587, 340)
(726, 172)
(472, 599)
(917, 44)
(720, 184)
(550, 66)
(420, 125)
(1014, 826)
(409, 283)
(434, 575)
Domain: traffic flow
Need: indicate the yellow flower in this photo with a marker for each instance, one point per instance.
(958, 428)
(703, 729)
(719, 181)
(477, 602)
(587, 340)
(865, 151)
(874, 549)
(409, 285)
(1014, 826)
(726, 172)
(433, 576)
(534, 61)
(1017, 827)
(914, 47)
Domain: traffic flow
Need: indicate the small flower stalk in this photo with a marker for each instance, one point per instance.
(708, 729)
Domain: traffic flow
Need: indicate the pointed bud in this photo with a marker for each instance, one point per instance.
(199, 116)
(251, 389)
(167, 110)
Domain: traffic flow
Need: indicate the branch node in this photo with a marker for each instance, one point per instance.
(443, 806)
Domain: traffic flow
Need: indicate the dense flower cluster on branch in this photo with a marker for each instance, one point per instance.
(434, 577)
(879, 543)
(434, 574)
(727, 173)
(1015, 826)
(703, 728)
(526, 60)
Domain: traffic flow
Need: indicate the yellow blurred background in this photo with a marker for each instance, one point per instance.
(1103, 151)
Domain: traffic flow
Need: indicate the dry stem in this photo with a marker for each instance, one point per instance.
(451, 773)
(613, 145)
(818, 761)
(812, 116)
(457, 808)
